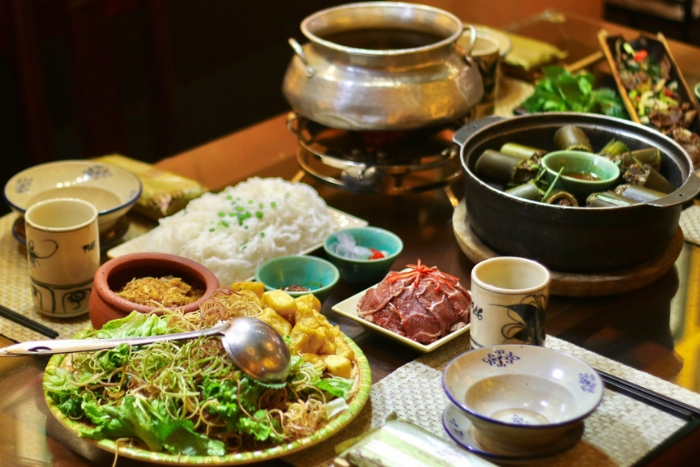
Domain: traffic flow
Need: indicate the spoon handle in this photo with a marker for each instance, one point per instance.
(50, 347)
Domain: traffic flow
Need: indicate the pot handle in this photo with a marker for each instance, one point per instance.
(472, 37)
(309, 71)
(463, 134)
(685, 193)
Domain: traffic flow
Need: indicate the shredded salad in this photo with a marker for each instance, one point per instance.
(187, 397)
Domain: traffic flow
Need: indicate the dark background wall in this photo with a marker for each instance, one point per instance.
(152, 78)
(144, 78)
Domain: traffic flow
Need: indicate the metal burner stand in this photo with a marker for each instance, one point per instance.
(401, 162)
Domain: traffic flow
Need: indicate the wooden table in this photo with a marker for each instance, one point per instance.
(652, 329)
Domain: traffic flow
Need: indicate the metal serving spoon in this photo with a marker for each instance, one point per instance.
(253, 345)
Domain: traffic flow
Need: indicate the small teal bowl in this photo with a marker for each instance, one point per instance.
(365, 271)
(315, 274)
(577, 164)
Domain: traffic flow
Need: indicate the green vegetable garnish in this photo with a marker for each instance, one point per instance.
(560, 91)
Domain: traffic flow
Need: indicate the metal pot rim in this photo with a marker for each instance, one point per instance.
(306, 28)
(481, 129)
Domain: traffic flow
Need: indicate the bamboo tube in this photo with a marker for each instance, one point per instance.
(647, 176)
(638, 193)
(608, 199)
(497, 167)
(572, 138)
(561, 198)
(651, 156)
(614, 148)
(528, 190)
(522, 151)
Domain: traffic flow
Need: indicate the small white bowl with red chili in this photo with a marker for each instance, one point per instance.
(363, 255)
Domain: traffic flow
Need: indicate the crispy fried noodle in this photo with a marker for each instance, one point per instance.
(187, 397)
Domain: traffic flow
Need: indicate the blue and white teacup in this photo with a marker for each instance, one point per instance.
(63, 253)
(509, 298)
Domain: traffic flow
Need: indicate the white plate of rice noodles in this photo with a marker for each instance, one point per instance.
(235, 230)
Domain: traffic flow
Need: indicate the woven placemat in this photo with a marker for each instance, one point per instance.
(690, 223)
(619, 433)
(15, 291)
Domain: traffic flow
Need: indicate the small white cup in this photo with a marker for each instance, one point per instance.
(63, 253)
(509, 298)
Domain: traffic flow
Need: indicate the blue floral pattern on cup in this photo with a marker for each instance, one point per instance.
(455, 428)
(587, 382)
(98, 171)
(501, 358)
(22, 185)
(476, 311)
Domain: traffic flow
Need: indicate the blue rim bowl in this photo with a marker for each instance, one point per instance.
(522, 396)
(605, 171)
(315, 274)
(365, 271)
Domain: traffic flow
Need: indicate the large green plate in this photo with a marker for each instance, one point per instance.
(355, 405)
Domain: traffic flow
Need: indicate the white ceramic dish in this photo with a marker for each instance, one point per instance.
(136, 245)
(522, 397)
(111, 189)
(462, 431)
(348, 308)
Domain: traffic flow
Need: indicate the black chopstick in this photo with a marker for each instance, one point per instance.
(661, 402)
(27, 323)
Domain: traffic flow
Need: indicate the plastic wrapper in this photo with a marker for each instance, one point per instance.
(400, 443)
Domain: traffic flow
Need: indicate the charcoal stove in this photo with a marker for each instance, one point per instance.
(388, 162)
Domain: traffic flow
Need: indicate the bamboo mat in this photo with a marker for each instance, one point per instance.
(619, 433)
(690, 223)
(15, 291)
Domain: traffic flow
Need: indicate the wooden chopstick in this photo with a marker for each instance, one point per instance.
(642, 394)
(27, 323)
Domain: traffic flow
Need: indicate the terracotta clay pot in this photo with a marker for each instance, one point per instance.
(106, 305)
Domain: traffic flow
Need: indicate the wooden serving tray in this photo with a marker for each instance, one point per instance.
(656, 45)
(575, 284)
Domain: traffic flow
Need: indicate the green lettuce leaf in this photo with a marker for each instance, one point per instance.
(335, 386)
(150, 423)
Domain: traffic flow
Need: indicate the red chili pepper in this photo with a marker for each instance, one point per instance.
(640, 55)
(417, 270)
(376, 254)
(668, 92)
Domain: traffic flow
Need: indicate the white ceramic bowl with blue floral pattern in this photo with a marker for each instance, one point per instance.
(522, 397)
(111, 189)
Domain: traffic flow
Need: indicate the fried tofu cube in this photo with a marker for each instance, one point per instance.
(274, 319)
(306, 340)
(338, 366)
(343, 349)
(308, 301)
(328, 347)
(280, 301)
(257, 287)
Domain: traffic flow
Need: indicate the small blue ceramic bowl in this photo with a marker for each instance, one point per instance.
(315, 274)
(364, 271)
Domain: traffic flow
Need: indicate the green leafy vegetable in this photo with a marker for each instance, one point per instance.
(164, 394)
(561, 91)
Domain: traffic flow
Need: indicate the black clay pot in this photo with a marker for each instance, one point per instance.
(573, 239)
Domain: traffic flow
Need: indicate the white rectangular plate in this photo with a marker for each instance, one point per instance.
(136, 245)
(348, 308)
